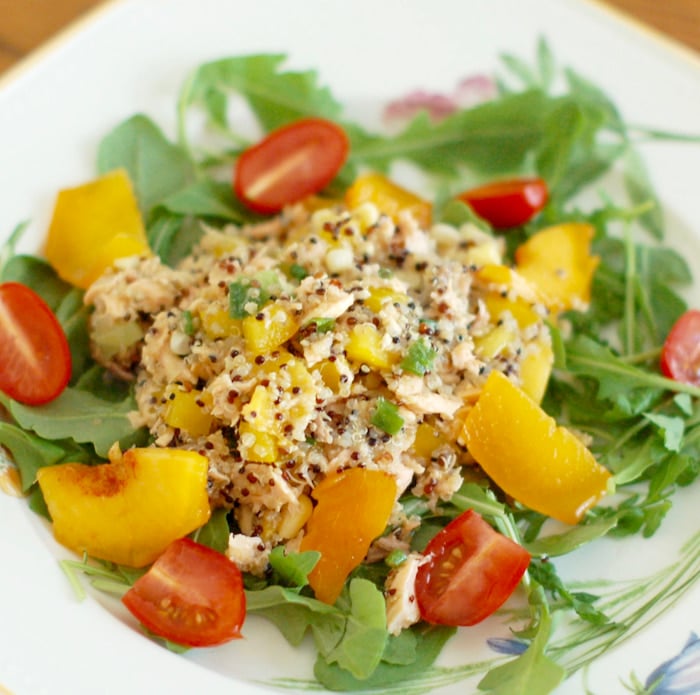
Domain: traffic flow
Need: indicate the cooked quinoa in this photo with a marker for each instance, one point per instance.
(314, 342)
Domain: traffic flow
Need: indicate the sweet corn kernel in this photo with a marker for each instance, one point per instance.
(293, 517)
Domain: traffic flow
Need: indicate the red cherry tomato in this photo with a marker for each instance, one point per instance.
(680, 356)
(192, 595)
(471, 571)
(35, 360)
(508, 203)
(290, 164)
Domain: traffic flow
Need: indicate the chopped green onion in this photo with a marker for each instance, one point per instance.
(419, 359)
(386, 417)
(385, 273)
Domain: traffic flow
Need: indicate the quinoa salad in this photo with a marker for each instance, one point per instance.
(336, 302)
(276, 379)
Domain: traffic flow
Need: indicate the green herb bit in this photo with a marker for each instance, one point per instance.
(188, 323)
(385, 273)
(296, 271)
(323, 325)
(241, 295)
(386, 417)
(395, 558)
(420, 358)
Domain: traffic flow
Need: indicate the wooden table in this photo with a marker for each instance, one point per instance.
(25, 24)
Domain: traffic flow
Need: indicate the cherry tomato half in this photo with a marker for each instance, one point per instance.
(471, 571)
(290, 164)
(507, 203)
(35, 360)
(192, 595)
(680, 356)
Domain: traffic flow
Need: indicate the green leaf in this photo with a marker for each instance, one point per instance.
(207, 198)
(364, 638)
(37, 274)
(73, 315)
(456, 213)
(8, 249)
(614, 376)
(215, 533)
(29, 452)
(430, 639)
(531, 673)
(563, 543)
(481, 500)
(292, 613)
(562, 130)
(641, 190)
(276, 97)
(292, 569)
(156, 167)
(494, 137)
(671, 428)
(80, 416)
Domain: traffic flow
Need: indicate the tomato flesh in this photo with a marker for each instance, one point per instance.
(680, 356)
(471, 571)
(291, 163)
(508, 203)
(192, 595)
(35, 360)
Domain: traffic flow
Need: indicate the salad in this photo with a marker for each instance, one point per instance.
(285, 383)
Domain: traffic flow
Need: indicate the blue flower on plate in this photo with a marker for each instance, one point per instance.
(504, 645)
(680, 675)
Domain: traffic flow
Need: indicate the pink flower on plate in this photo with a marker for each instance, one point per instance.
(469, 92)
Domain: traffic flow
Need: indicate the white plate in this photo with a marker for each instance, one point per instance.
(132, 56)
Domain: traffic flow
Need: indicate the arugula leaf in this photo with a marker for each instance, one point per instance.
(671, 428)
(276, 97)
(292, 569)
(215, 532)
(37, 274)
(156, 167)
(615, 376)
(80, 416)
(30, 452)
(494, 137)
(364, 637)
(531, 673)
(209, 199)
(8, 250)
(563, 543)
(291, 612)
(640, 190)
(429, 641)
